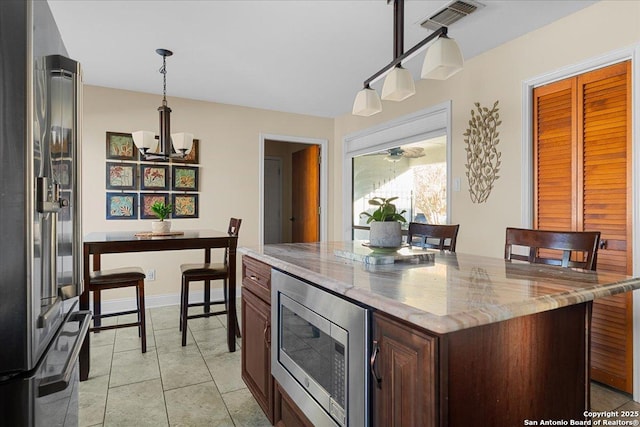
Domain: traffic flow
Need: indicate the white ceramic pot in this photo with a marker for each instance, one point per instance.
(386, 234)
(160, 226)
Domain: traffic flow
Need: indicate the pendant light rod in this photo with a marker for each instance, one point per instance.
(442, 31)
(398, 27)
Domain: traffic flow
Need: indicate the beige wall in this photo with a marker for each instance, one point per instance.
(229, 160)
(499, 75)
(229, 138)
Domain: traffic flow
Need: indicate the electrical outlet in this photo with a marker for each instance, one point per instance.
(151, 274)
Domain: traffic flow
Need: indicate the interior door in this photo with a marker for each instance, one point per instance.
(305, 195)
(582, 155)
(272, 200)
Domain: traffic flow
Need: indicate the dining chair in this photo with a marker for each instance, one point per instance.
(435, 236)
(554, 247)
(206, 272)
(102, 280)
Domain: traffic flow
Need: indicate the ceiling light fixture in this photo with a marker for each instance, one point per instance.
(443, 59)
(152, 147)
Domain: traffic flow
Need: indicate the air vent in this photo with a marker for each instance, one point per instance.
(451, 13)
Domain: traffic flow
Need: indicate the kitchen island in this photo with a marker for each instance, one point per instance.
(463, 339)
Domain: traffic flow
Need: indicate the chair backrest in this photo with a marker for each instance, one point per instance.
(436, 236)
(554, 247)
(233, 230)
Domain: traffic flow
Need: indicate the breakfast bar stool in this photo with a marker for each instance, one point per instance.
(119, 278)
(207, 272)
(434, 236)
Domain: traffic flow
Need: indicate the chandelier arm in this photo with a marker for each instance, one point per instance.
(442, 31)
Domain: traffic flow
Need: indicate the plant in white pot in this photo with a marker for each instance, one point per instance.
(162, 212)
(385, 223)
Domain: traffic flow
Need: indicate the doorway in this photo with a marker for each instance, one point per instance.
(293, 178)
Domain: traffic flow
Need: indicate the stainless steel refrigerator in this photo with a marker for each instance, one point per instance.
(41, 329)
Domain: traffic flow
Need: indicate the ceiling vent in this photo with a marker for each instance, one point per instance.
(451, 13)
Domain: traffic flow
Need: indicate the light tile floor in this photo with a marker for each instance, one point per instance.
(169, 385)
(196, 385)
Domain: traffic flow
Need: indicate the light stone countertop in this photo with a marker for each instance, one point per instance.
(455, 292)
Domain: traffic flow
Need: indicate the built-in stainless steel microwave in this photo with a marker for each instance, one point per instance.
(319, 351)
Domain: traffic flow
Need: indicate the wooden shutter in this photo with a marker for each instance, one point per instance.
(555, 151)
(604, 131)
(582, 172)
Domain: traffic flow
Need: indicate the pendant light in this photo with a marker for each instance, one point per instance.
(443, 59)
(161, 148)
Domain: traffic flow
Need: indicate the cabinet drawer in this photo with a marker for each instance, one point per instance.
(256, 276)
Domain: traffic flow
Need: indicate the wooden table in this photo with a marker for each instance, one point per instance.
(115, 242)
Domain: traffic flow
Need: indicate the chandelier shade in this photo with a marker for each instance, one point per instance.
(442, 60)
(367, 103)
(398, 85)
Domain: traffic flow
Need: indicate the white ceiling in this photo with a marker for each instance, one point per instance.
(300, 56)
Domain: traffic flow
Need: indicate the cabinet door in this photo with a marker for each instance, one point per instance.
(405, 364)
(256, 350)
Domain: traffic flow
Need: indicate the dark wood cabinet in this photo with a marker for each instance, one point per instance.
(256, 333)
(404, 361)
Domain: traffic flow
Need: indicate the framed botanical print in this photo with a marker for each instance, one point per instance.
(185, 205)
(62, 173)
(184, 178)
(192, 157)
(120, 146)
(154, 177)
(121, 176)
(147, 200)
(122, 206)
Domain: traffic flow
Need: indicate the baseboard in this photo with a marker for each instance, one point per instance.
(155, 301)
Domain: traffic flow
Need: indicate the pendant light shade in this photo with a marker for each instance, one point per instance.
(367, 103)
(442, 60)
(182, 142)
(145, 140)
(398, 85)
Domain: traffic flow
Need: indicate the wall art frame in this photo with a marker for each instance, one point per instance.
(154, 177)
(62, 172)
(121, 176)
(185, 205)
(120, 146)
(122, 206)
(147, 200)
(193, 157)
(184, 178)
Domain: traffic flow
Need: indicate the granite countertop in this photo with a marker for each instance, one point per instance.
(454, 291)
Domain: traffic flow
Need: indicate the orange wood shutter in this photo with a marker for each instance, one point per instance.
(555, 156)
(582, 172)
(604, 106)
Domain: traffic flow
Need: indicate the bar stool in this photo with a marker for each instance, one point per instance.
(207, 272)
(119, 278)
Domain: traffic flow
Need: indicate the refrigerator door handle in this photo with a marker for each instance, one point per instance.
(59, 382)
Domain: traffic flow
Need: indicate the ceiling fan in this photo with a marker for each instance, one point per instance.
(397, 153)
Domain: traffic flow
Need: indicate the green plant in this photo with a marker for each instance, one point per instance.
(386, 211)
(161, 210)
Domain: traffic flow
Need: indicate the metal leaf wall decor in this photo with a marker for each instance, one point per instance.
(483, 158)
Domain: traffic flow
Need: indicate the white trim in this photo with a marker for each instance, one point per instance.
(324, 178)
(418, 126)
(633, 53)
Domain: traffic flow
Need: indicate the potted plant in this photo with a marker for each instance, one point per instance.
(162, 212)
(385, 229)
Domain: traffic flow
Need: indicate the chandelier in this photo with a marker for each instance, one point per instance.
(442, 60)
(166, 145)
